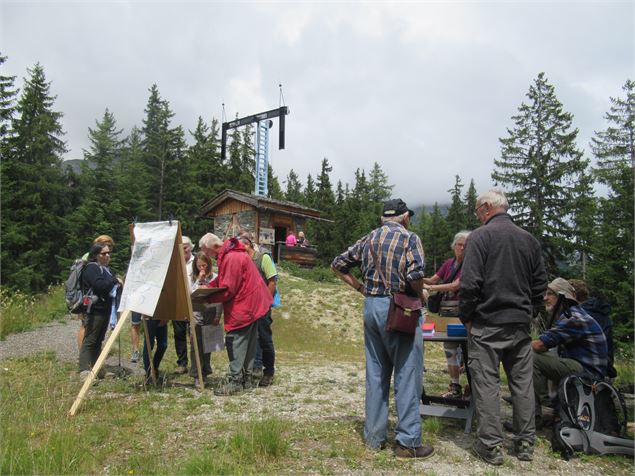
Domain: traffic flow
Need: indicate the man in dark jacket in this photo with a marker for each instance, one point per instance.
(502, 284)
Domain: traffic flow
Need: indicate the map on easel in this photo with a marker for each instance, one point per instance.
(156, 283)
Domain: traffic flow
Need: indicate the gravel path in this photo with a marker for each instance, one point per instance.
(59, 337)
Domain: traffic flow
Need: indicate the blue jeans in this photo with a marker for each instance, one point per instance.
(385, 352)
(160, 334)
(265, 352)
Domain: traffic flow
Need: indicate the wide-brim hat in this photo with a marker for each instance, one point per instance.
(562, 286)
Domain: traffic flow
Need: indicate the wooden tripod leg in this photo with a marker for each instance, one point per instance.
(201, 383)
(100, 362)
(150, 353)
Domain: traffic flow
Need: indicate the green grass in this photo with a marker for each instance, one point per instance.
(20, 312)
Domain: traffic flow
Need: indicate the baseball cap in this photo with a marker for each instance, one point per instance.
(396, 207)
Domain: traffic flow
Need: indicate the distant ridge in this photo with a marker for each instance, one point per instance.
(443, 208)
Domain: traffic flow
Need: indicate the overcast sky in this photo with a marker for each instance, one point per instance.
(424, 89)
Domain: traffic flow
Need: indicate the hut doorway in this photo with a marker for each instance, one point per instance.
(280, 238)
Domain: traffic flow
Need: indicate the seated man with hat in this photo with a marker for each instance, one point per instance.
(582, 347)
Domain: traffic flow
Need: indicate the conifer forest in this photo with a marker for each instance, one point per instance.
(579, 207)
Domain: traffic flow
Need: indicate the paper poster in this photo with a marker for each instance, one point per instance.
(213, 338)
(266, 236)
(151, 254)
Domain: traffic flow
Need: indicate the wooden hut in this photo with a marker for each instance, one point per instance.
(268, 219)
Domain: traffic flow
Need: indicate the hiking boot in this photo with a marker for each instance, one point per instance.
(524, 450)
(266, 381)
(454, 391)
(249, 383)
(180, 370)
(135, 357)
(229, 388)
(421, 452)
(256, 373)
(489, 455)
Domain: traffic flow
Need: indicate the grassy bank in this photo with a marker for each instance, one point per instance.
(20, 312)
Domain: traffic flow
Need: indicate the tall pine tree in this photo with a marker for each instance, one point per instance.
(7, 102)
(164, 147)
(541, 169)
(471, 222)
(33, 189)
(294, 188)
(611, 266)
(456, 213)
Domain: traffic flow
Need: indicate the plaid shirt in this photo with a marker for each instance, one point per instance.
(399, 254)
(580, 338)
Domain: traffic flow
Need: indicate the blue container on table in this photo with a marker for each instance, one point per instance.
(456, 330)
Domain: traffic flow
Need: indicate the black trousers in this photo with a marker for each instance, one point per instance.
(180, 342)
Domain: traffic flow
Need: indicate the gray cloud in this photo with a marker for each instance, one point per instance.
(423, 89)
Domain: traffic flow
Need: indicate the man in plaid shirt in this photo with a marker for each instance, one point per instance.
(581, 344)
(399, 255)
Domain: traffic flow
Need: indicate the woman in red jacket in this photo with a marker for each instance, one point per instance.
(245, 300)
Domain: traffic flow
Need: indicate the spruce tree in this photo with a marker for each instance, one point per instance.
(99, 209)
(275, 191)
(471, 222)
(294, 188)
(611, 263)
(437, 241)
(7, 103)
(380, 190)
(164, 147)
(541, 169)
(323, 232)
(308, 198)
(33, 189)
(456, 213)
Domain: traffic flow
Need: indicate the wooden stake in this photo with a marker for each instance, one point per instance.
(100, 362)
(153, 372)
(190, 313)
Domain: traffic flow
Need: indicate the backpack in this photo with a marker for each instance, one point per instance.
(77, 301)
(593, 418)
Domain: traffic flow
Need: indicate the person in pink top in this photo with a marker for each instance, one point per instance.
(245, 300)
(291, 239)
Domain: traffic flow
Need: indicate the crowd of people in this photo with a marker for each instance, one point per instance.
(248, 278)
(497, 286)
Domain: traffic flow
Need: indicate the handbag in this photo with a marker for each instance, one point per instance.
(434, 301)
(404, 311)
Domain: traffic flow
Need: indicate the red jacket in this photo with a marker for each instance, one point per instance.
(247, 297)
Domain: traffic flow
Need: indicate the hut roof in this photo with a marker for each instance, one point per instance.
(260, 203)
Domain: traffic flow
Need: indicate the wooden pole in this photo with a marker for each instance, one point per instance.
(153, 372)
(190, 313)
(100, 362)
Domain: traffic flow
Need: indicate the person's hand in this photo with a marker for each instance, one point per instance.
(216, 321)
(162, 323)
(425, 294)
